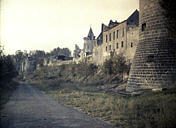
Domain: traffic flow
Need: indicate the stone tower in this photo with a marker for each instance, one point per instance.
(89, 42)
(154, 64)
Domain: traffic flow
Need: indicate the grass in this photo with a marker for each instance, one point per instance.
(150, 110)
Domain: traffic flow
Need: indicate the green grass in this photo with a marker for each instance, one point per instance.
(150, 110)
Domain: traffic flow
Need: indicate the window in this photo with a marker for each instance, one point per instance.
(131, 45)
(122, 44)
(150, 58)
(109, 47)
(143, 27)
(106, 48)
(106, 38)
(123, 32)
(117, 34)
(113, 35)
(117, 45)
(109, 36)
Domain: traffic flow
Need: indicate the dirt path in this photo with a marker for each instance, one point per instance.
(30, 108)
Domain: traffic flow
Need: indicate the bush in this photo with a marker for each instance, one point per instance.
(116, 65)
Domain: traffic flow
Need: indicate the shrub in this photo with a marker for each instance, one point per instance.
(116, 65)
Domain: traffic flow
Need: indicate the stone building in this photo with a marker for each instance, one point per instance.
(117, 38)
(154, 64)
(89, 43)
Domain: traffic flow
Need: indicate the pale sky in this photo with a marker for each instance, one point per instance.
(47, 24)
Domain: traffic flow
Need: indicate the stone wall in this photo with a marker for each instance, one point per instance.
(132, 41)
(154, 64)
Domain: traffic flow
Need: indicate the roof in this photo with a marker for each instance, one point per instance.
(133, 19)
(90, 34)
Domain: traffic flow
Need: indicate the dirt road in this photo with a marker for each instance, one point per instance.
(30, 108)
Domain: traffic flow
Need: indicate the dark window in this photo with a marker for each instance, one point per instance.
(106, 38)
(131, 45)
(117, 45)
(113, 35)
(106, 48)
(122, 44)
(143, 27)
(117, 34)
(109, 47)
(109, 36)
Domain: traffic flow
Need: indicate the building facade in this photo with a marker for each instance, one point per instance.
(119, 38)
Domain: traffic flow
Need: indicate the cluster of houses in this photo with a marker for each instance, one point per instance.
(115, 38)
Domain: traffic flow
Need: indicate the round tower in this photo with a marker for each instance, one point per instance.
(154, 64)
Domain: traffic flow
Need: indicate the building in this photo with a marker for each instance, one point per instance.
(154, 64)
(117, 38)
(89, 43)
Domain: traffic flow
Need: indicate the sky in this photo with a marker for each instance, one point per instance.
(48, 24)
